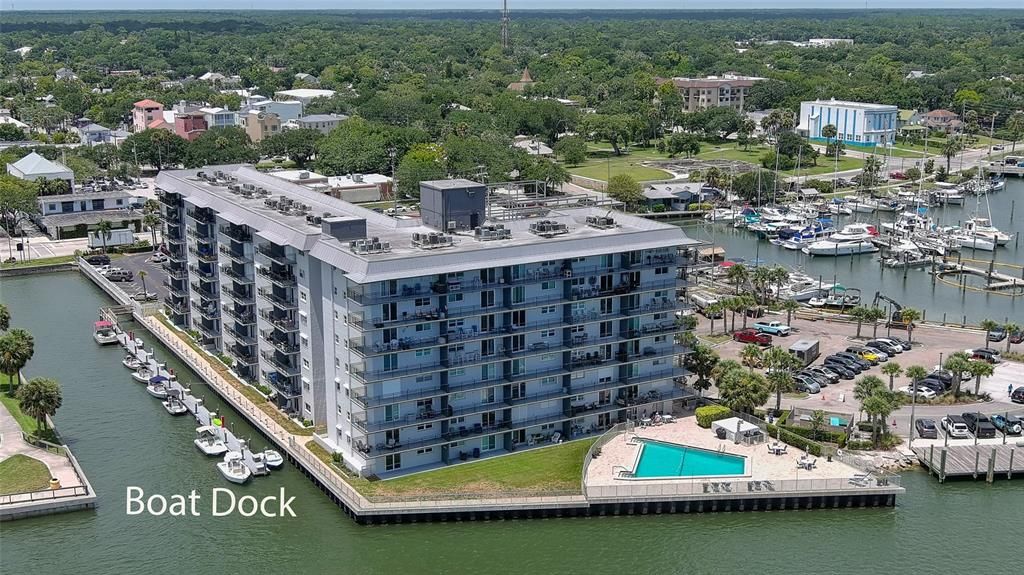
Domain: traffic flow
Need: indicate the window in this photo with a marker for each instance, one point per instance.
(487, 395)
(457, 372)
(423, 301)
(392, 462)
(606, 329)
(659, 339)
(577, 260)
(390, 362)
(661, 271)
(423, 352)
(424, 427)
(548, 334)
(392, 412)
(454, 297)
(424, 378)
(302, 295)
(548, 309)
(547, 285)
(424, 450)
(550, 380)
(488, 443)
(487, 298)
(423, 327)
(547, 357)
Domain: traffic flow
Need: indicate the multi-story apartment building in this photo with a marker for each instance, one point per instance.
(414, 343)
(857, 123)
(146, 112)
(259, 125)
(729, 90)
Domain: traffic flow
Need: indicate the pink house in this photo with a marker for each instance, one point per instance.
(190, 125)
(144, 113)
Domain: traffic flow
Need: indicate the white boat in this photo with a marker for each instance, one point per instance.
(103, 332)
(831, 247)
(131, 362)
(157, 390)
(270, 457)
(983, 228)
(854, 232)
(174, 406)
(949, 197)
(234, 469)
(210, 440)
(967, 241)
(143, 374)
(724, 215)
(861, 206)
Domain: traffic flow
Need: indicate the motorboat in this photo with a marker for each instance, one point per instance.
(832, 247)
(855, 232)
(143, 374)
(948, 197)
(234, 469)
(862, 205)
(965, 240)
(174, 406)
(270, 457)
(157, 390)
(983, 228)
(834, 300)
(724, 215)
(131, 362)
(103, 332)
(210, 440)
(906, 258)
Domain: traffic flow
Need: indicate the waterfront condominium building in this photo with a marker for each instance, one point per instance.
(857, 123)
(413, 343)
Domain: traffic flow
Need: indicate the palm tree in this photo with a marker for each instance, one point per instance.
(957, 363)
(1009, 327)
(15, 352)
(1015, 125)
(782, 365)
(5, 318)
(951, 148)
(731, 305)
(722, 369)
(980, 369)
(750, 356)
(40, 398)
(988, 325)
(873, 315)
(702, 361)
(779, 382)
(789, 306)
(738, 274)
(829, 132)
(103, 228)
(909, 315)
(858, 313)
(893, 370)
(916, 373)
(151, 220)
(869, 173)
(878, 406)
(779, 275)
(866, 387)
(742, 391)
(746, 303)
(713, 310)
(142, 278)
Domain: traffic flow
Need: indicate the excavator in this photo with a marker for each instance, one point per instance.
(897, 310)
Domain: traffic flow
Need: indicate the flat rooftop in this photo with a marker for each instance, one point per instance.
(855, 105)
(404, 259)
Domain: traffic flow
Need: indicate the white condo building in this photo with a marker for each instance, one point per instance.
(857, 123)
(415, 343)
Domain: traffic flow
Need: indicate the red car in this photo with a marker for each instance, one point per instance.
(898, 175)
(752, 336)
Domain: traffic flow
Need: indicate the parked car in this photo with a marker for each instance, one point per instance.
(986, 354)
(772, 327)
(923, 392)
(752, 336)
(926, 429)
(821, 380)
(841, 369)
(955, 427)
(807, 385)
(855, 358)
(865, 354)
(1010, 425)
(942, 375)
(98, 260)
(1018, 395)
(847, 362)
(832, 376)
(158, 258)
(997, 334)
(1017, 336)
(884, 346)
(120, 275)
(933, 384)
(905, 344)
(979, 424)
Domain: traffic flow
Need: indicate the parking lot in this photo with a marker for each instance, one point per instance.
(155, 274)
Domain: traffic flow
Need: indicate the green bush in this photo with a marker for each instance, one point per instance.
(710, 413)
(790, 438)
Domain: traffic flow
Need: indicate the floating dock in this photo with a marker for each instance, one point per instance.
(974, 461)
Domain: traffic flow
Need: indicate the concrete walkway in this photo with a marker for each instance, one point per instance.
(12, 443)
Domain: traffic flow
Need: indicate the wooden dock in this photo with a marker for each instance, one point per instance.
(988, 461)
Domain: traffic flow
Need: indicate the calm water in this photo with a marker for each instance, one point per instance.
(663, 460)
(913, 288)
(123, 437)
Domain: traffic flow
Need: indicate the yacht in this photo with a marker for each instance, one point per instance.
(270, 457)
(234, 469)
(983, 228)
(967, 241)
(210, 440)
(835, 300)
(174, 406)
(724, 215)
(834, 247)
(855, 232)
(948, 197)
(862, 205)
(802, 287)
(103, 332)
(131, 362)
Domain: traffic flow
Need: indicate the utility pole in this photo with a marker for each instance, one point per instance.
(504, 27)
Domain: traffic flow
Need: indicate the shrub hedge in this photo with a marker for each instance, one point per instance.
(710, 413)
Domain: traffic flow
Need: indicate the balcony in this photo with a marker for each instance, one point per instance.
(205, 237)
(176, 256)
(279, 344)
(241, 355)
(419, 316)
(276, 257)
(234, 255)
(175, 241)
(244, 318)
(181, 292)
(239, 335)
(286, 386)
(653, 260)
(207, 256)
(284, 324)
(177, 274)
(282, 366)
(286, 304)
(650, 352)
(237, 233)
(243, 297)
(178, 308)
(203, 216)
(239, 278)
(285, 280)
(210, 312)
(654, 328)
(202, 274)
(208, 331)
(405, 292)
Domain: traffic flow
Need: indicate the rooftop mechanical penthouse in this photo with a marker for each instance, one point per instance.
(483, 327)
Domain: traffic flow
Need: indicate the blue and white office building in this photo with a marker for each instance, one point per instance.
(858, 123)
(414, 343)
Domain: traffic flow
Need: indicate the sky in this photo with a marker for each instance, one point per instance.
(495, 4)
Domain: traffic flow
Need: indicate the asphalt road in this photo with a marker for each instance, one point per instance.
(155, 274)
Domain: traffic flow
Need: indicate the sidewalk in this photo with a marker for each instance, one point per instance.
(12, 443)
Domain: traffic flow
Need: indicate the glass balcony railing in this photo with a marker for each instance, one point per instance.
(239, 234)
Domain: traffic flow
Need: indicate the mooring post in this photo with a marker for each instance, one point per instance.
(977, 460)
(991, 475)
(931, 461)
(1009, 470)
(942, 467)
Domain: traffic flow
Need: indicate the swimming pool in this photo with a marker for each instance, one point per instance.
(663, 460)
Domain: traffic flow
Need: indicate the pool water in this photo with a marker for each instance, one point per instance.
(668, 460)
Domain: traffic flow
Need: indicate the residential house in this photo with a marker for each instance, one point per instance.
(67, 216)
(190, 125)
(304, 95)
(942, 121)
(858, 123)
(34, 167)
(829, 42)
(533, 146)
(259, 125)
(323, 123)
(64, 75)
(729, 90)
(305, 78)
(144, 113)
(678, 196)
(7, 118)
(525, 81)
(93, 134)
(285, 110)
(918, 74)
(219, 117)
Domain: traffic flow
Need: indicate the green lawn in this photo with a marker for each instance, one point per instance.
(602, 169)
(558, 468)
(23, 474)
(731, 151)
(39, 262)
(27, 423)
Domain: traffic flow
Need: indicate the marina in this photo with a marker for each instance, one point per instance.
(974, 461)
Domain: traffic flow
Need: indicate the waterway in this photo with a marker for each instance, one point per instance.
(915, 287)
(122, 437)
